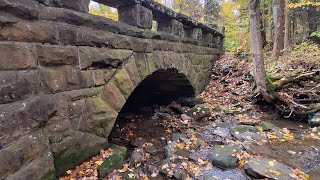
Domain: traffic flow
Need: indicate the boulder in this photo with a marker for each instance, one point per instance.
(225, 156)
(151, 150)
(200, 111)
(185, 117)
(266, 126)
(113, 162)
(237, 129)
(267, 168)
(136, 142)
(188, 101)
(231, 174)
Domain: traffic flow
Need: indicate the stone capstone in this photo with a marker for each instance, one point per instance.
(136, 15)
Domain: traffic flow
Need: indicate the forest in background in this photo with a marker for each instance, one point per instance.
(300, 18)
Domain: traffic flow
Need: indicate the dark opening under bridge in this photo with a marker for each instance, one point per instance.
(66, 74)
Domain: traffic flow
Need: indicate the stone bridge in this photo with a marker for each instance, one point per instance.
(66, 74)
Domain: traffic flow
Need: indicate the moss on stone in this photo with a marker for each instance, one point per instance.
(65, 160)
(113, 162)
(51, 175)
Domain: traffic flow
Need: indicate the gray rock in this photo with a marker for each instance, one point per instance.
(266, 126)
(165, 167)
(137, 142)
(225, 156)
(205, 154)
(185, 117)
(237, 129)
(151, 150)
(169, 150)
(267, 168)
(180, 109)
(248, 136)
(179, 173)
(231, 174)
(177, 136)
(200, 111)
(136, 156)
(190, 102)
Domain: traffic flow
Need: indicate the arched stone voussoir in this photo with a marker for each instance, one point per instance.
(112, 95)
(98, 117)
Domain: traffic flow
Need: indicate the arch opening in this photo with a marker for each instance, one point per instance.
(159, 88)
(140, 117)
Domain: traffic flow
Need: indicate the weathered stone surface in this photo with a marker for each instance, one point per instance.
(78, 5)
(18, 85)
(98, 117)
(232, 174)
(74, 148)
(40, 168)
(145, 64)
(83, 93)
(243, 128)
(194, 33)
(136, 142)
(15, 56)
(23, 8)
(225, 156)
(21, 152)
(57, 55)
(163, 45)
(172, 26)
(207, 37)
(30, 31)
(123, 82)
(102, 57)
(133, 72)
(113, 96)
(267, 168)
(99, 77)
(266, 126)
(90, 37)
(56, 79)
(23, 117)
(200, 111)
(136, 15)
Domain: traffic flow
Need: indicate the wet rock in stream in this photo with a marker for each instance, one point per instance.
(200, 111)
(136, 142)
(219, 174)
(225, 156)
(268, 168)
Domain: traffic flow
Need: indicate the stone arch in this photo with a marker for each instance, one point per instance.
(143, 68)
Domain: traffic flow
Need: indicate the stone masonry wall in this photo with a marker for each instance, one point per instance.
(65, 75)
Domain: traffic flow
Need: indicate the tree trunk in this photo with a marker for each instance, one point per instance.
(305, 24)
(279, 27)
(269, 28)
(287, 27)
(312, 19)
(259, 72)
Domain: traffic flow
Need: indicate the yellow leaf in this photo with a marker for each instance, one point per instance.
(271, 163)
(69, 172)
(99, 162)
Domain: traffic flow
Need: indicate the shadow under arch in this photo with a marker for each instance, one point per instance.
(161, 87)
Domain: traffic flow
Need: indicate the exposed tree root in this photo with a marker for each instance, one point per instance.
(292, 77)
(302, 102)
